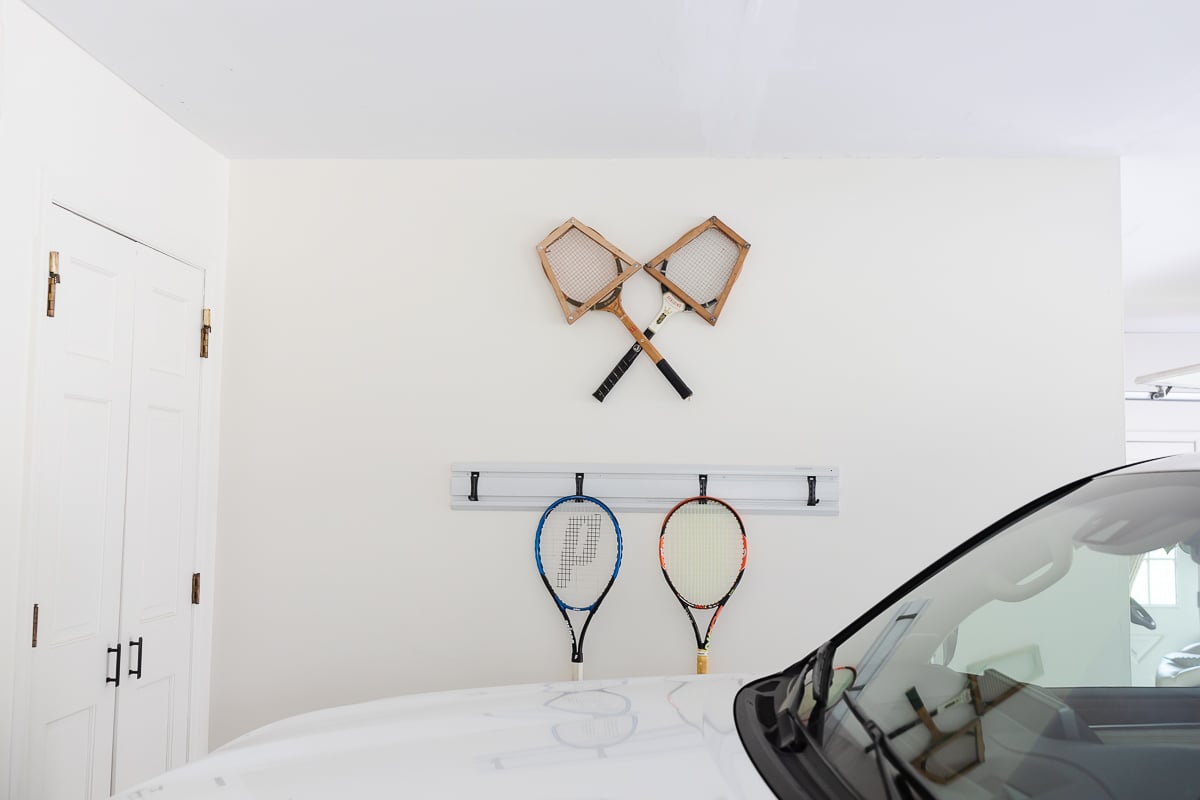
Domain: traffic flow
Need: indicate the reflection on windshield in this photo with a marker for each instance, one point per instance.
(983, 692)
(1025, 667)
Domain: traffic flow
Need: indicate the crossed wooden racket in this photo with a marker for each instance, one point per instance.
(587, 272)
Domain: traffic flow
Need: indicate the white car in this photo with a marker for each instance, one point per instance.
(648, 737)
(1053, 655)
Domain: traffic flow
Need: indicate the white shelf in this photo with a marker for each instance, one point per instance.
(645, 487)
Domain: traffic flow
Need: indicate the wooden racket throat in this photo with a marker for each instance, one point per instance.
(586, 272)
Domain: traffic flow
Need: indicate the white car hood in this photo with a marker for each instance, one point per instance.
(646, 737)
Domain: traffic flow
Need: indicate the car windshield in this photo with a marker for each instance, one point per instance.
(1059, 658)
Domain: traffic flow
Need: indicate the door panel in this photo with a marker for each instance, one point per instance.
(80, 433)
(160, 525)
(70, 742)
(91, 291)
(77, 543)
(147, 748)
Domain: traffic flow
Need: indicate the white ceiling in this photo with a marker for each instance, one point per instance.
(677, 78)
(560, 78)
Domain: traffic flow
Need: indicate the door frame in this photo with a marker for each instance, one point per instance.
(56, 192)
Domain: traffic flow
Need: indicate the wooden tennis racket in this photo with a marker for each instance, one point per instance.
(696, 274)
(702, 552)
(586, 272)
(578, 553)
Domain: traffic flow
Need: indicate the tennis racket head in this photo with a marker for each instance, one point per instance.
(578, 550)
(584, 269)
(701, 267)
(702, 551)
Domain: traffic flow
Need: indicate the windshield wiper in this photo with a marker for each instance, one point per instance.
(791, 697)
(900, 782)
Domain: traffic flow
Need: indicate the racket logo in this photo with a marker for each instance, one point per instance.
(571, 555)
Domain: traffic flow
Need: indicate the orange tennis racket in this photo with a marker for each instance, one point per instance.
(702, 551)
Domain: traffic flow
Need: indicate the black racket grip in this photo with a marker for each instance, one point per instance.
(622, 366)
(675, 380)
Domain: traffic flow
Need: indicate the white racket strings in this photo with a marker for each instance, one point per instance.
(581, 265)
(703, 266)
(703, 552)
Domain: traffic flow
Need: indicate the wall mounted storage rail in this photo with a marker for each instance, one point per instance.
(491, 486)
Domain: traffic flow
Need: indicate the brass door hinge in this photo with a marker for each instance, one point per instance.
(195, 588)
(205, 330)
(53, 281)
(35, 616)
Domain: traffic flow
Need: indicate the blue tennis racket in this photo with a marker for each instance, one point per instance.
(578, 552)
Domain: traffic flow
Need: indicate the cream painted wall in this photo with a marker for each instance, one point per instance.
(73, 132)
(909, 321)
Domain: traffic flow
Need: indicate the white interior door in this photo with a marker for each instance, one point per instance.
(160, 520)
(81, 427)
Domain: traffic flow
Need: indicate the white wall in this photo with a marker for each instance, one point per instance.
(72, 132)
(1160, 201)
(910, 322)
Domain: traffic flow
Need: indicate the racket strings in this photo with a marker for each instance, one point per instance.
(703, 266)
(572, 554)
(581, 265)
(703, 552)
(578, 549)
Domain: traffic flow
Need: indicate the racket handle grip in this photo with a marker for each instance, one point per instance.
(620, 369)
(701, 663)
(576, 670)
(675, 380)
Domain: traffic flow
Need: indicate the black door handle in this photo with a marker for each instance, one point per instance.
(137, 673)
(116, 680)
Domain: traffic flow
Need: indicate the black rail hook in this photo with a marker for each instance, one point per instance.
(474, 495)
(579, 483)
(812, 490)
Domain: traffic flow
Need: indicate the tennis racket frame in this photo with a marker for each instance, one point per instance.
(577, 641)
(702, 643)
(573, 312)
(700, 306)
